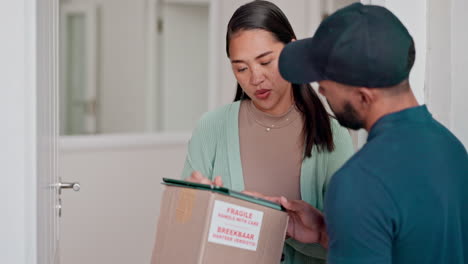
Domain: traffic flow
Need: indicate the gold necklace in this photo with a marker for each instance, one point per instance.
(284, 121)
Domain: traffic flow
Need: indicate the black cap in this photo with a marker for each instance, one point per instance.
(359, 45)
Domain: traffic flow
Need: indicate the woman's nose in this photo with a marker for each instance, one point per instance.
(256, 77)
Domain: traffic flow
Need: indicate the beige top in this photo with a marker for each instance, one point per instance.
(272, 150)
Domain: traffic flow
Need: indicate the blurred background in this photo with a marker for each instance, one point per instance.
(136, 75)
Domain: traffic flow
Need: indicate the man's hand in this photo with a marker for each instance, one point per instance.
(197, 177)
(306, 223)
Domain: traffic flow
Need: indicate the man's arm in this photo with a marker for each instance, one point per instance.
(361, 217)
(306, 223)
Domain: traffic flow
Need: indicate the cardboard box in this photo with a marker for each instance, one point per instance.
(206, 224)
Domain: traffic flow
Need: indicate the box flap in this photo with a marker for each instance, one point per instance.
(224, 191)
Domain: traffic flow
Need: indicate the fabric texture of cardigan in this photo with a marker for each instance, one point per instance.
(214, 150)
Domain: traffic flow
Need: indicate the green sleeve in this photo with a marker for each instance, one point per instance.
(201, 149)
(343, 151)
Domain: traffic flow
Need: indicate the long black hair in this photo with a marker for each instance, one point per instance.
(267, 16)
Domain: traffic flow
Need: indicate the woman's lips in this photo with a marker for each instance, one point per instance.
(262, 93)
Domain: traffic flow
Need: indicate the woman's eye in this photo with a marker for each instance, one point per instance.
(265, 63)
(241, 69)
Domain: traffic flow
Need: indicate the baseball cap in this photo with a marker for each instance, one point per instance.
(359, 45)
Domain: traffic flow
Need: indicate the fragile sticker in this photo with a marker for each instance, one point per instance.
(235, 226)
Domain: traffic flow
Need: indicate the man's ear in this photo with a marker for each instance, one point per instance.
(366, 97)
(292, 40)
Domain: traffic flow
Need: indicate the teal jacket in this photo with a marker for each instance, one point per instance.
(214, 151)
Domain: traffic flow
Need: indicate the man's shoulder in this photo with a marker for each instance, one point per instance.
(359, 168)
(353, 169)
(448, 136)
(357, 181)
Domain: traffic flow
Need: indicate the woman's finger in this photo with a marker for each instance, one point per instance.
(218, 181)
(197, 177)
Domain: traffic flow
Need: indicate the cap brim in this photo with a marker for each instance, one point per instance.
(296, 64)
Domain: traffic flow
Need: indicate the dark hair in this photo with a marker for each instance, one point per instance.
(267, 16)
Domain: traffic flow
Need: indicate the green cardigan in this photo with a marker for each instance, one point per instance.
(214, 151)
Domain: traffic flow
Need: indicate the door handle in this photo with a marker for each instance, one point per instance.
(68, 185)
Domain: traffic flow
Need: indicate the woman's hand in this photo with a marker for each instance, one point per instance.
(197, 177)
(262, 196)
(306, 223)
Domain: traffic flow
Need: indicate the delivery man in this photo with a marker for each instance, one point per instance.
(403, 198)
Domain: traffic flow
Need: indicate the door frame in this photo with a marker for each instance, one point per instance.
(29, 128)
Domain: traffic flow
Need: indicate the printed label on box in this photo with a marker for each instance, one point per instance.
(235, 226)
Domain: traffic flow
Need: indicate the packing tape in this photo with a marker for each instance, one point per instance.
(185, 205)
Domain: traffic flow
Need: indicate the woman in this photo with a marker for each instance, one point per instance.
(276, 138)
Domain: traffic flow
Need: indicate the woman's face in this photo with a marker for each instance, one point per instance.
(254, 58)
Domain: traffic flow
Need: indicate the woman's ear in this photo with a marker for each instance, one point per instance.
(292, 40)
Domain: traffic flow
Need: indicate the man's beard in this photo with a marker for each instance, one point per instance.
(348, 117)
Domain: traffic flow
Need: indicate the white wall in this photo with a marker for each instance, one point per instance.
(459, 91)
(446, 81)
(439, 60)
(14, 117)
(439, 30)
(413, 15)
